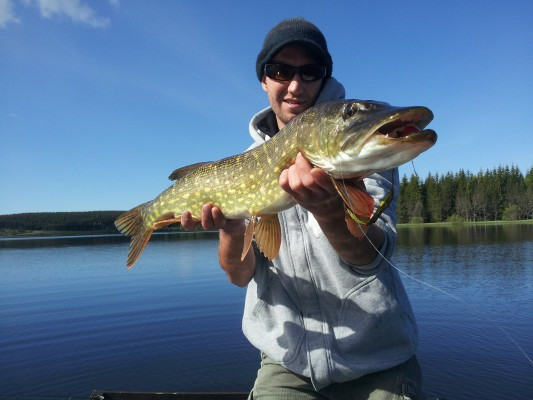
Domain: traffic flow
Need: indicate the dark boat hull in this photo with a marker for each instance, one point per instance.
(104, 395)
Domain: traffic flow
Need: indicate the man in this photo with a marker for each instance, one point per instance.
(330, 316)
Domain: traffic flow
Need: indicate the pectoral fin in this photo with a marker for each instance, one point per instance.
(268, 235)
(359, 206)
(357, 230)
(356, 199)
(248, 236)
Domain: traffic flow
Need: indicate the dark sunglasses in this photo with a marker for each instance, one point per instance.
(283, 72)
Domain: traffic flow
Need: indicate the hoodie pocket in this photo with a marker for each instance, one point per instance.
(373, 325)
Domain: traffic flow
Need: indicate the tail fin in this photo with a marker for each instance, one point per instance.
(131, 223)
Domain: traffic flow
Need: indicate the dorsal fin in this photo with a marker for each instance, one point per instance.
(183, 171)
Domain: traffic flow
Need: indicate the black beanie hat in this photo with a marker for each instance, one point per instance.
(293, 31)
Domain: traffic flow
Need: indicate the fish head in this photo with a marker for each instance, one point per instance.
(354, 138)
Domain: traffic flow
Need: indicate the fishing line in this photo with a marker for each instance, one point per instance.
(476, 312)
(414, 169)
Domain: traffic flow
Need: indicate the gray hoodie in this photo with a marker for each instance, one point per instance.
(319, 316)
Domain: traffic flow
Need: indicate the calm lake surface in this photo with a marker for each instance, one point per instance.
(73, 319)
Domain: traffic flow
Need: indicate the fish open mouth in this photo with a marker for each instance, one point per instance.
(408, 125)
(398, 129)
(404, 126)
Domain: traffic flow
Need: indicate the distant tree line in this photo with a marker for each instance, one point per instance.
(90, 221)
(502, 193)
(76, 221)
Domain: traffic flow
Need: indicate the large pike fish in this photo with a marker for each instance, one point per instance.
(349, 139)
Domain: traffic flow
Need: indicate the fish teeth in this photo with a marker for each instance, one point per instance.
(394, 134)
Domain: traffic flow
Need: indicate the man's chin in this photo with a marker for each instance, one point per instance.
(287, 117)
(291, 112)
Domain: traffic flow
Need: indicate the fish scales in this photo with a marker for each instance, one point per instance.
(348, 139)
(241, 186)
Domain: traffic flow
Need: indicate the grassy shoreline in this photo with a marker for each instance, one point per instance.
(5, 233)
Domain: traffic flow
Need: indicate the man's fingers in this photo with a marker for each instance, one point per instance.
(312, 178)
(323, 180)
(284, 180)
(187, 222)
(304, 182)
(295, 181)
(219, 220)
(207, 217)
(211, 218)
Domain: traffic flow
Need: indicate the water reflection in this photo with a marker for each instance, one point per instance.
(417, 236)
(465, 254)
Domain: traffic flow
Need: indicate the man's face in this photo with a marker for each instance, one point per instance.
(290, 98)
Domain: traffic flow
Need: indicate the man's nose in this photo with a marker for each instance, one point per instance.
(296, 84)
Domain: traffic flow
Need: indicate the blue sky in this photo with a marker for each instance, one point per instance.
(101, 100)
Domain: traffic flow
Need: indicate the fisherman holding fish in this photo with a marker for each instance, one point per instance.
(317, 190)
(331, 318)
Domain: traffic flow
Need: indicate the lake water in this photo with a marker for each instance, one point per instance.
(73, 319)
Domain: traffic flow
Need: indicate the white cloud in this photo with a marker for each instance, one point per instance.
(7, 14)
(73, 9)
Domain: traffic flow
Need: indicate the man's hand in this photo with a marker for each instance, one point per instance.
(312, 189)
(212, 218)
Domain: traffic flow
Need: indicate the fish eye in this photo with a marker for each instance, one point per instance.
(349, 111)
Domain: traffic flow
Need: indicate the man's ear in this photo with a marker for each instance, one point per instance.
(263, 83)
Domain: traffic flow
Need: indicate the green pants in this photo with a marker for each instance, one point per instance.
(399, 383)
